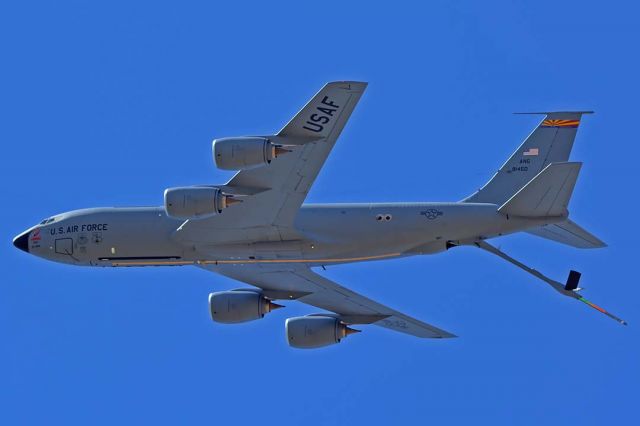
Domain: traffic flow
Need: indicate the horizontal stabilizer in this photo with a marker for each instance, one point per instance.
(568, 233)
(547, 194)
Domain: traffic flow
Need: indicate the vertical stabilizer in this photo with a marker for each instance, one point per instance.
(550, 142)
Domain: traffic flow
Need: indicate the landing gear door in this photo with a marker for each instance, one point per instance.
(64, 246)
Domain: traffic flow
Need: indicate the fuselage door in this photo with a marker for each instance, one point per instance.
(64, 246)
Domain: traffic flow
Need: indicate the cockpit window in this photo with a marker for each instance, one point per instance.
(46, 221)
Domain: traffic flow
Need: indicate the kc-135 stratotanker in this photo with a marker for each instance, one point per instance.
(256, 229)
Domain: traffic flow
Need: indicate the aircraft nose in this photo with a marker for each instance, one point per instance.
(22, 241)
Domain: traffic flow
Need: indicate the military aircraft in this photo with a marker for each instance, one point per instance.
(256, 229)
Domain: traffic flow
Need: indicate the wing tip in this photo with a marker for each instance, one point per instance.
(352, 85)
(595, 245)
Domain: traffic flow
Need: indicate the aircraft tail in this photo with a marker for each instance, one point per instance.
(550, 142)
(569, 233)
(547, 194)
(537, 180)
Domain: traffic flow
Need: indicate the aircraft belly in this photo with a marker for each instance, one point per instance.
(402, 226)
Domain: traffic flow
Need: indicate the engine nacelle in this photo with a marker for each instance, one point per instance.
(195, 202)
(231, 307)
(316, 331)
(244, 153)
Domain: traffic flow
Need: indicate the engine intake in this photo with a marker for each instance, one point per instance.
(235, 306)
(316, 331)
(195, 202)
(244, 152)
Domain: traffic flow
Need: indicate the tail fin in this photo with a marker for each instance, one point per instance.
(550, 142)
(547, 194)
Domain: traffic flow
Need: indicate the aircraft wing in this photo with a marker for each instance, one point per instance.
(299, 282)
(275, 192)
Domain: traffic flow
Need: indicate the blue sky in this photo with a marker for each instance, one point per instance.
(108, 104)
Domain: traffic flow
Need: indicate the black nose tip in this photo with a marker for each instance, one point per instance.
(22, 241)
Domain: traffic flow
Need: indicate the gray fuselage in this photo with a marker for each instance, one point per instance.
(329, 234)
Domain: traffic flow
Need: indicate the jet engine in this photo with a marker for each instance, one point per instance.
(236, 306)
(315, 331)
(244, 153)
(196, 201)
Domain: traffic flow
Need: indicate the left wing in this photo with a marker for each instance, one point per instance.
(276, 191)
(298, 281)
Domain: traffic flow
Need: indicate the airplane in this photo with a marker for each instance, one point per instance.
(256, 229)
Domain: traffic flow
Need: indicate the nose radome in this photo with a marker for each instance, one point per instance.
(22, 241)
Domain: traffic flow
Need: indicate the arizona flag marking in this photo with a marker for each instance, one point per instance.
(560, 123)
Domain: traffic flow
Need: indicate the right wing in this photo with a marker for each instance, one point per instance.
(298, 281)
